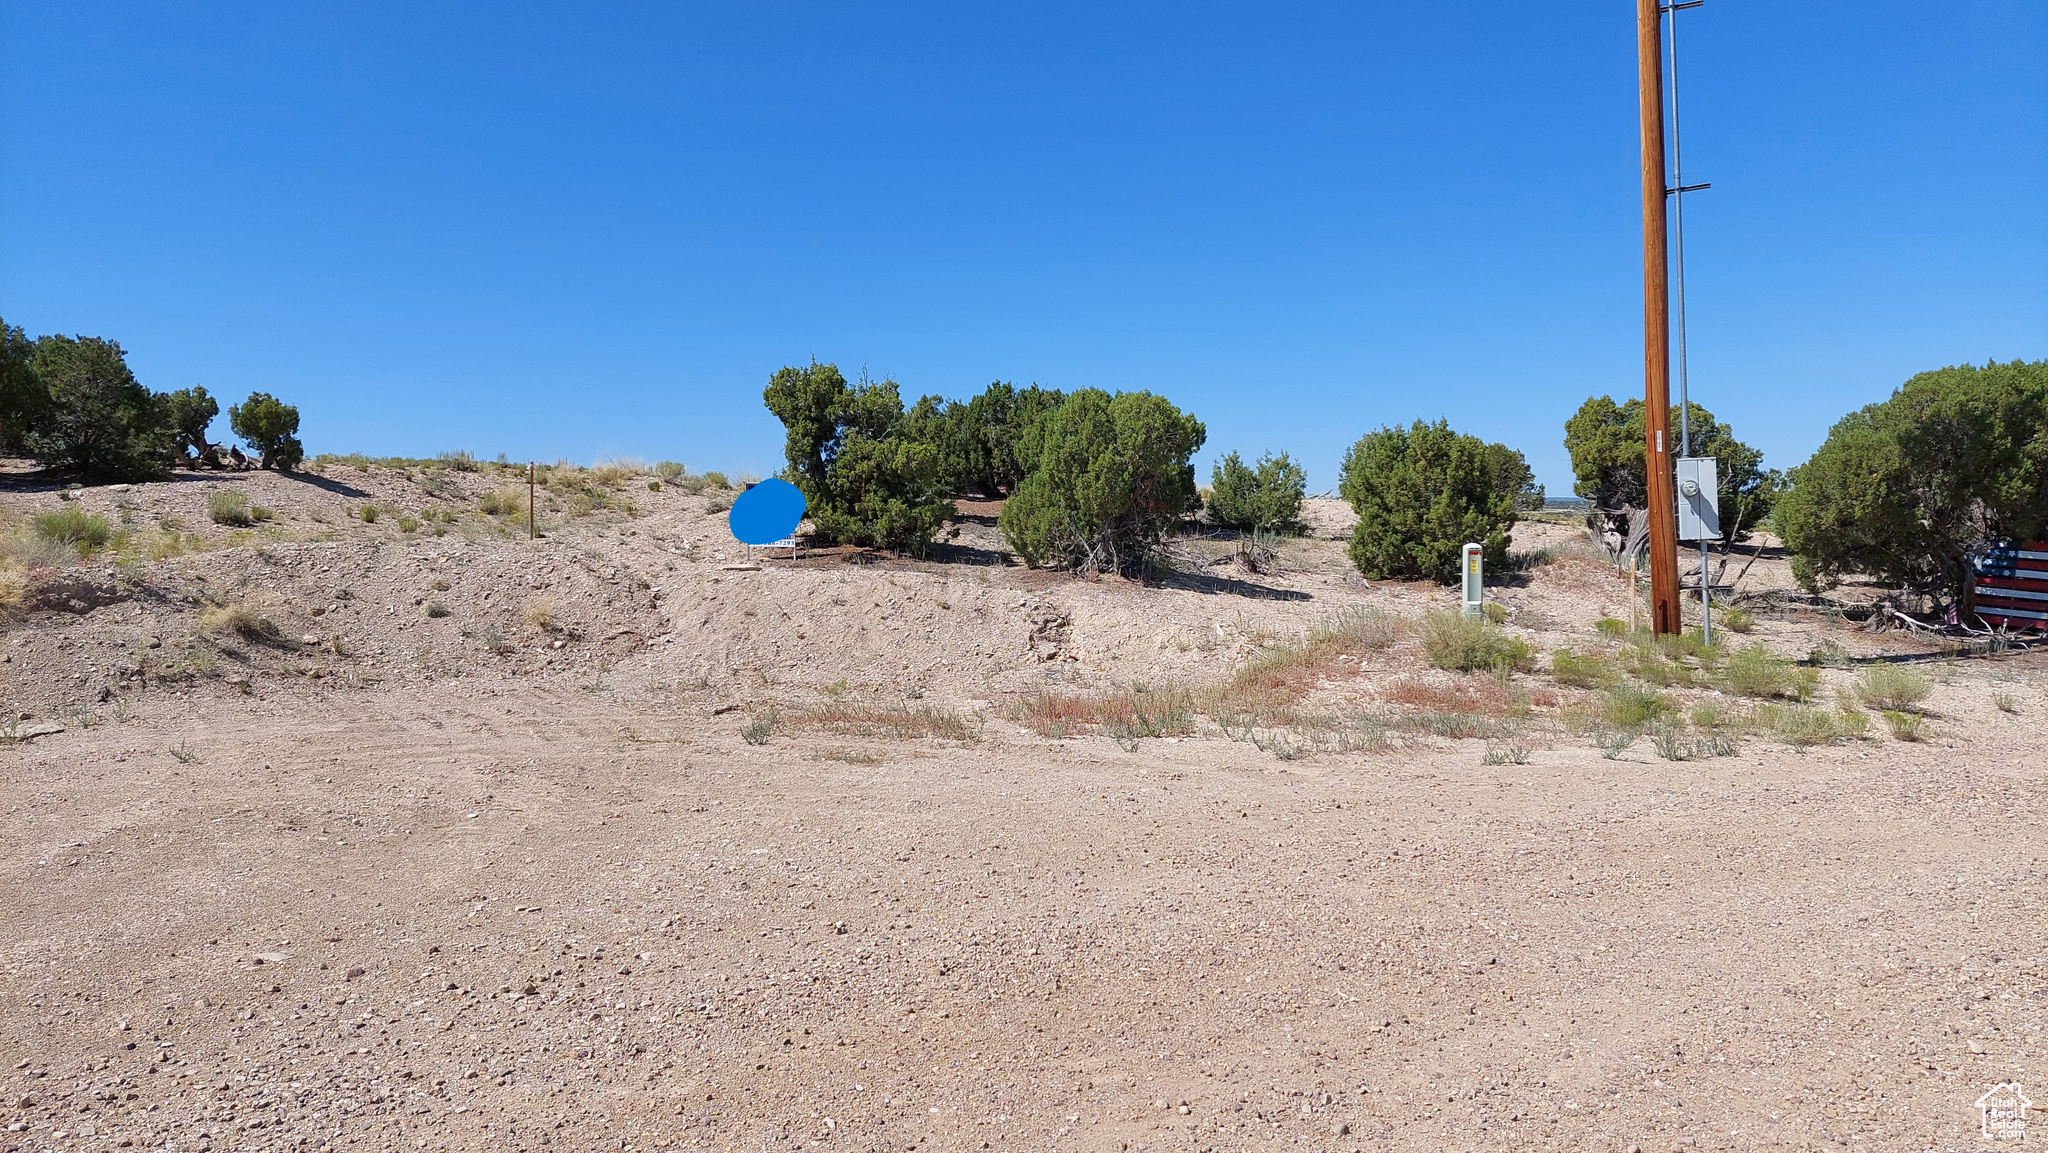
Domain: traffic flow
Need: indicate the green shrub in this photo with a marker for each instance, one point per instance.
(230, 508)
(75, 528)
(23, 397)
(461, 460)
(1495, 613)
(1609, 462)
(1648, 662)
(716, 480)
(1589, 671)
(1893, 688)
(1109, 477)
(504, 502)
(1903, 490)
(407, 524)
(1611, 628)
(1421, 493)
(669, 470)
(1265, 495)
(864, 480)
(1904, 726)
(1455, 641)
(188, 413)
(1631, 706)
(1735, 620)
(90, 414)
(979, 440)
(369, 514)
(269, 426)
(1754, 672)
(1515, 479)
(1709, 714)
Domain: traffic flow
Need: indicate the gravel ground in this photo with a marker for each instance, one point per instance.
(550, 896)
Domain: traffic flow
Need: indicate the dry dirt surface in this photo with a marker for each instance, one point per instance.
(329, 834)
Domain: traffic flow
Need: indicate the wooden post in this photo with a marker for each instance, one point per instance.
(1663, 497)
(530, 534)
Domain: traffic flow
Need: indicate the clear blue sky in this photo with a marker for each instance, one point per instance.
(582, 230)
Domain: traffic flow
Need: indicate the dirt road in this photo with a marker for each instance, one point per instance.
(409, 925)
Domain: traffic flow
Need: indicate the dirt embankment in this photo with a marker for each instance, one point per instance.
(360, 835)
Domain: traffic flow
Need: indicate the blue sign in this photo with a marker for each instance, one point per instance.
(766, 513)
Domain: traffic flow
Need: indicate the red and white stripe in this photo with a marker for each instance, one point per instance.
(2010, 586)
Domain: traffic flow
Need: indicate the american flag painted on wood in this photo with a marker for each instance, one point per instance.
(2009, 585)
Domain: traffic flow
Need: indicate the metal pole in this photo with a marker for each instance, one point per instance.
(530, 534)
(1678, 284)
(1663, 511)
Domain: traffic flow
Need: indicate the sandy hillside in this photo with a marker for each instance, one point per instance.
(406, 832)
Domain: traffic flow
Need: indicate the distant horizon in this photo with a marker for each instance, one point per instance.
(584, 234)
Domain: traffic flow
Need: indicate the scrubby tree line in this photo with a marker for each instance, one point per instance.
(1092, 481)
(1906, 489)
(1902, 491)
(1095, 481)
(72, 403)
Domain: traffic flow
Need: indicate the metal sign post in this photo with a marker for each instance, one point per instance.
(1699, 519)
(1475, 580)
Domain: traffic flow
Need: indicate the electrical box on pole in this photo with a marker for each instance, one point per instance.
(1699, 498)
(1475, 580)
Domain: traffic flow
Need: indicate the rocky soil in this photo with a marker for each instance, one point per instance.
(337, 834)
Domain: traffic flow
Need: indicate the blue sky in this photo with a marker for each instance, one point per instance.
(582, 230)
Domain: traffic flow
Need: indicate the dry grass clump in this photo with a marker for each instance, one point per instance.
(1465, 644)
(75, 528)
(615, 473)
(1803, 725)
(540, 613)
(1126, 714)
(504, 502)
(233, 509)
(1456, 726)
(1478, 696)
(1287, 673)
(1893, 688)
(901, 722)
(13, 588)
(26, 558)
(238, 619)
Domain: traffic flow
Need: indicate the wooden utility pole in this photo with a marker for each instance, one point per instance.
(1663, 498)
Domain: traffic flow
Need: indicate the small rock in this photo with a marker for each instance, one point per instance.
(352, 974)
(38, 729)
(155, 642)
(270, 958)
(1339, 1129)
(1976, 1046)
(1183, 1110)
(309, 639)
